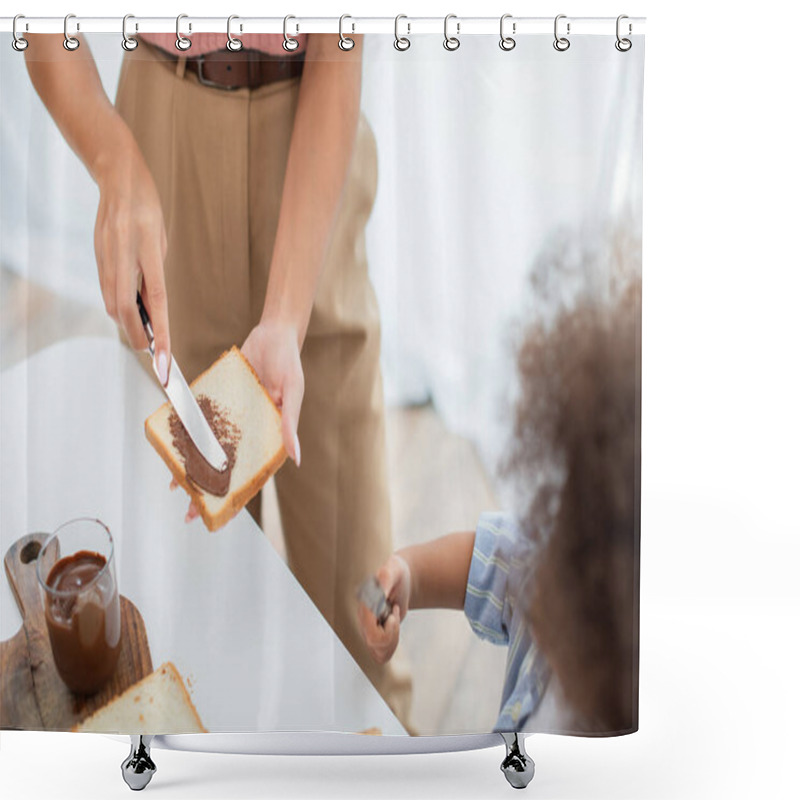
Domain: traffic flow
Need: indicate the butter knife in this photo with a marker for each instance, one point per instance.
(184, 403)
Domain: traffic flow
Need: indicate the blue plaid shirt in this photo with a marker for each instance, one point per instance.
(501, 564)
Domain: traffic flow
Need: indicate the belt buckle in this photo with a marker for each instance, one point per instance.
(201, 78)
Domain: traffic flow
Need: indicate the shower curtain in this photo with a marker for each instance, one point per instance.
(407, 280)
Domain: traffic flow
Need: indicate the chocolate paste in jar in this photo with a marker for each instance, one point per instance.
(199, 472)
(84, 626)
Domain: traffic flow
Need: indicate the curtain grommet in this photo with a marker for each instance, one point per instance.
(345, 42)
(451, 43)
(290, 44)
(128, 42)
(401, 43)
(233, 44)
(71, 43)
(561, 43)
(507, 43)
(182, 42)
(19, 43)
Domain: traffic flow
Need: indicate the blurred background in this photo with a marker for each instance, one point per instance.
(492, 165)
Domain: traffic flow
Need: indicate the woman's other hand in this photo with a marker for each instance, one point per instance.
(273, 351)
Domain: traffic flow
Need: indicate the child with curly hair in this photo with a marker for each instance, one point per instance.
(557, 584)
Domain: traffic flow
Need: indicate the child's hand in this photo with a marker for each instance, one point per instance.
(395, 580)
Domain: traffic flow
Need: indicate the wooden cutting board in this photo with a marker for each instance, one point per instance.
(32, 694)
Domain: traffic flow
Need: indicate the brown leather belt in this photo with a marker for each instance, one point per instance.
(244, 69)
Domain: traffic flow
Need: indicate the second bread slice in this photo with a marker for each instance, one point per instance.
(233, 386)
(157, 704)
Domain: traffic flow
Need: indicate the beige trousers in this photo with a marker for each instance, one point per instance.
(218, 158)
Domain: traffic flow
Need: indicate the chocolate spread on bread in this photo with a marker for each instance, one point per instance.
(83, 621)
(199, 472)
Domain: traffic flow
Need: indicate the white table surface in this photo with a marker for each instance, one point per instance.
(222, 606)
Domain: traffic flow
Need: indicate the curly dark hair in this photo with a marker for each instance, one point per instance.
(577, 450)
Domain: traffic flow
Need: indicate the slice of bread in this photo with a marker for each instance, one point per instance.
(157, 704)
(232, 384)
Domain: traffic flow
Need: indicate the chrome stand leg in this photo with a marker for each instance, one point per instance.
(138, 768)
(518, 766)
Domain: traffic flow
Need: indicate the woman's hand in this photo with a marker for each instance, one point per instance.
(129, 241)
(273, 351)
(395, 580)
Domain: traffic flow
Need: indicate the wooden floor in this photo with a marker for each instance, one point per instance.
(437, 485)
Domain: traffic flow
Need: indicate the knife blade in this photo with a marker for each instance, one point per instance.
(184, 402)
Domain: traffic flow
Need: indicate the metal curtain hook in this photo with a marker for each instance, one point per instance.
(345, 42)
(561, 43)
(182, 43)
(451, 42)
(19, 43)
(507, 42)
(623, 45)
(234, 44)
(70, 42)
(289, 44)
(401, 43)
(128, 42)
